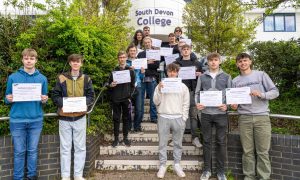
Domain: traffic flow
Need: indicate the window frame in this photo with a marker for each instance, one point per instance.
(284, 21)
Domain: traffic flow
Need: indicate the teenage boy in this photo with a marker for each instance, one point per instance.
(186, 61)
(173, 109)
(72, 125)
(26, 125)
(139, 75)
(149, 82)
(213, 80)
(146, 31)
(121, 95)
(254, 120)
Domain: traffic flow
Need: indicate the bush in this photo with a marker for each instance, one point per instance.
(62, 31)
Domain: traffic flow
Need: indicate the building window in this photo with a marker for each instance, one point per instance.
(280, 23)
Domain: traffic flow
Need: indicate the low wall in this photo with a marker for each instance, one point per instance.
(49, 159)
(284, 156)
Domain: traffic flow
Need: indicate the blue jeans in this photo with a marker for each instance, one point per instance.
(149, 87)
(25, 137)
(138, 108)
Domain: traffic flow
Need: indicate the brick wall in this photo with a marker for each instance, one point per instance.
(284, 156)
(49, 160)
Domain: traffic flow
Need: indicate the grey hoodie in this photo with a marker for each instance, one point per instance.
(257, 80)
(207, 83)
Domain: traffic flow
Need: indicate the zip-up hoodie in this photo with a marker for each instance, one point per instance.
(207, 83)
(138, 75)
(66, 86)
(29, 111)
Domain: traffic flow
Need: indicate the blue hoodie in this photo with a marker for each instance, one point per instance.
(29, 111)
(138, 75)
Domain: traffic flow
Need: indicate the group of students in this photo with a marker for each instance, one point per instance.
(26, 117)
(171, 111)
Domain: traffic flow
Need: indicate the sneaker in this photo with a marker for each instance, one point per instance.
(115, 143)
(79, 178)
(196, 142)
(205, 175)
(221, 176)
(171, 143)
(127, 142)
(161, 172)
(65, 178)
(178, 170)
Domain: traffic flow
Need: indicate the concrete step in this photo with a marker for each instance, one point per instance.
(189, 163)
(147, 136)
(147, 150)
(146, 126)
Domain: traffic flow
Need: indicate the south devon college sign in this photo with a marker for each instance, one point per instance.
(154, 16)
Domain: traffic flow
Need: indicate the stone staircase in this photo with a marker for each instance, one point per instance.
(143, 153)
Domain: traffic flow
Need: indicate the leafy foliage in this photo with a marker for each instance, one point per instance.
(66, 28)
(218, 26)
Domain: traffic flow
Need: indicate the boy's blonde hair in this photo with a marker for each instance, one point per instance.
(29, 52)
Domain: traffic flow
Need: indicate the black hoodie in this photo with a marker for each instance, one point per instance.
(122, 92)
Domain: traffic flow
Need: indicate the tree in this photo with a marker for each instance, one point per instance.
(218, 25)
(270, 5)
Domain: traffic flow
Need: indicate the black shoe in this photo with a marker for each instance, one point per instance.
(127, 142)
(115, 143)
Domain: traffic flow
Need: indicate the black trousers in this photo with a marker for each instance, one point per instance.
(118, 108)
(208, 121)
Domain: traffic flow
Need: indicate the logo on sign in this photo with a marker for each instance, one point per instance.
(157, 16)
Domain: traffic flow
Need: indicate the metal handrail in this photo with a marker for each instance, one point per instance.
(88, 113)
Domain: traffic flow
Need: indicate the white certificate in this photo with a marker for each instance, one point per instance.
(74, 104)
(165, 51)
(211, 98)
(171, 58)
(238, 95)
(187, 72)
(26, 92)
(153, 54)
(139, 63)
(156, 42)
(171, 85)
(121, 76)
(187, 41)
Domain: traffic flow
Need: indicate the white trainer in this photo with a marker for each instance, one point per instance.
(179, 170)
(196, 142)
(205, 175)
(161, 172)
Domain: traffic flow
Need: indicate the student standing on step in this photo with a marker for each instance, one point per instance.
(26, 117)
(254, 120)
(138, 39)
(149, 82)
(186, 60)
(121, 95)
(72, 125)
(139, 76)
(213, 80)
(146, 31)
(173, 109)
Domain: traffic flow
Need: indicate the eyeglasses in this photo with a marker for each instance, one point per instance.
(177, 30)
